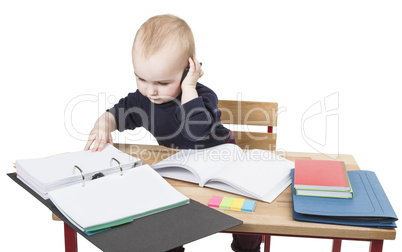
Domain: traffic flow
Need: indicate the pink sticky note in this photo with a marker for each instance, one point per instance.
(215, 201)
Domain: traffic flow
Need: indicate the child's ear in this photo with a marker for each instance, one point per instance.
(193, 57)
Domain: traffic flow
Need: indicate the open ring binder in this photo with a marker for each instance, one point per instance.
(82, 174)
(42, 175)
(121, 168)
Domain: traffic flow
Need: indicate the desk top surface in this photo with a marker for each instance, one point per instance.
(273, 218)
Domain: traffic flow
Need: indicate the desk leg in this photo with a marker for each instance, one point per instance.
(70, 239)
(376, 245)
(336, 245)
(267, 243)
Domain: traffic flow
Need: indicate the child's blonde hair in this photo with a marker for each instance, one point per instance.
(160, 30)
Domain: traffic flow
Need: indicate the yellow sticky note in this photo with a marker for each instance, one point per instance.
(237, 204)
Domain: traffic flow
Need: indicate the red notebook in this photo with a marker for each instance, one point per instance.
(321, 175)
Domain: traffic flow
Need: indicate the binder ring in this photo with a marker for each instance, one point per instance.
(137, 163)
(121, 168)
(83, 177)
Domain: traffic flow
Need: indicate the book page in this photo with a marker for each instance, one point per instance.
(183, 173)
(201, 163)
(259, 173)
(228, 188)
(114, 197)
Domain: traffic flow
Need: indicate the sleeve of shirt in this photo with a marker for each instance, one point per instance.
(200, 115)
(127, 112)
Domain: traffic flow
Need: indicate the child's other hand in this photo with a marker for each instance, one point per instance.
(99, 136)
(194, 73)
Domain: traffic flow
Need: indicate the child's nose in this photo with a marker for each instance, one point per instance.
(153, 89)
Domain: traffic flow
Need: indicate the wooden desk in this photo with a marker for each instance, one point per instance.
(268, 219)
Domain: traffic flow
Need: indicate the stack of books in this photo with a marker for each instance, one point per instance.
(369, 206)
(322, 178)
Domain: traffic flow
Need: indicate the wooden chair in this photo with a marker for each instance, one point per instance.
(251, 113)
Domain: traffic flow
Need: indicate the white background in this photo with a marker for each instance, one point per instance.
(75, 56)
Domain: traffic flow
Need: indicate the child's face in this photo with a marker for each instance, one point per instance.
(158, 76)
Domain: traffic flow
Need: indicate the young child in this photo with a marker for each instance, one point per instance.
(169, 102)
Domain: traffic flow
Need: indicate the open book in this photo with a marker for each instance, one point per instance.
(256, 173)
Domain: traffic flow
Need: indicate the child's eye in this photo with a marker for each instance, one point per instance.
(163, 83)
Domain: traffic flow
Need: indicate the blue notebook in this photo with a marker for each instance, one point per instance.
(370, 206)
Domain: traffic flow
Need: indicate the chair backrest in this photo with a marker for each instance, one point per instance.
(251, 113)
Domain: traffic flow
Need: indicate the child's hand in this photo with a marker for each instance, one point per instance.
(99, 136)
(194, 73)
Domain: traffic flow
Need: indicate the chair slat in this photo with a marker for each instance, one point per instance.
(248, 112)
(255, 140)
(251, 113)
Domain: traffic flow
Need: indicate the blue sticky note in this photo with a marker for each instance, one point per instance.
(248, 206)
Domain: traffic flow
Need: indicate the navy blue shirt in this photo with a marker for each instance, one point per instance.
(194, 125)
